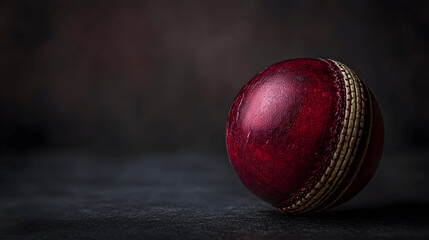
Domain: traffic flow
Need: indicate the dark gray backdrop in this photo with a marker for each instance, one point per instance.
(139, 76)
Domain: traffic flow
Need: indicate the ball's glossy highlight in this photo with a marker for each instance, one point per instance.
(305, 134)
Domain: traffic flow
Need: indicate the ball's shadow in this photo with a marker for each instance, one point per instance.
(394, 212)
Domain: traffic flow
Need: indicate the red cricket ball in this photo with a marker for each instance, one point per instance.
(305, 134)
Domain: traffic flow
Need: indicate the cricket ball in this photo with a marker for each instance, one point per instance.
(305, 134)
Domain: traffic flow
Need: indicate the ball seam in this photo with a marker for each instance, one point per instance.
(302, 193)
(341, 153)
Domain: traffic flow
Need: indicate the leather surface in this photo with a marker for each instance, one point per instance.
(279, 129)
(282, 131)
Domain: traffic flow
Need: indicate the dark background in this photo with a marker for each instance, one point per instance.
(156, 76)
(96, 90)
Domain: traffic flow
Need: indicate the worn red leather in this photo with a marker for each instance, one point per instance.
(283, 127)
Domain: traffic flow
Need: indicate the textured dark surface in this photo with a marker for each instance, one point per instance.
(81, 196)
